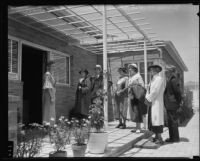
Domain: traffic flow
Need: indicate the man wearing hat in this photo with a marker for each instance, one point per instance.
(172, 100)
(83, 96)
(49, 92)
(154, 100)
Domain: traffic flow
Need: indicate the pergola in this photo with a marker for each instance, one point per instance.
(97, 28)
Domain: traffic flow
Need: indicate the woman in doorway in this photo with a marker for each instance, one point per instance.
(137, 109)
(83, 96)
(49, 91)
(121, 95)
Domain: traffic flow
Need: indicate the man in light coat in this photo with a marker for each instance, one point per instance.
(154, 100)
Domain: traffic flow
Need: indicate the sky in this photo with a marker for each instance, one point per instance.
(180, 25)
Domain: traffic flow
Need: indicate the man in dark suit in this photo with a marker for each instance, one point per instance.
(172, 100)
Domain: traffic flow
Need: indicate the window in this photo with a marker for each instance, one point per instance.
(61, 71)
(13, 59)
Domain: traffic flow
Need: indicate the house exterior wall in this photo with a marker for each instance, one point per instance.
(79, 58)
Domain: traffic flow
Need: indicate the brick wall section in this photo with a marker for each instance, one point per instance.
(16, 88)
(65, 95)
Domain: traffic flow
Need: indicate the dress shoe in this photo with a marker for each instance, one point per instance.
(169, 140)
(123, 126)
(119, 125)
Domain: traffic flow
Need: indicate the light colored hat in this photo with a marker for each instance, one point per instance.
(98, 67)
(133, 65)
(170, 68)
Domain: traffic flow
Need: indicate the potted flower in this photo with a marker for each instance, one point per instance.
(98, 138)
(59, 135)
(29, 139)
(80, 136)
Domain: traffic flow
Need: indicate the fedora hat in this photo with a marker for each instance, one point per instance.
(84, 70)
(123, 69)
(50, 62)
(155, 66)
(98, 67)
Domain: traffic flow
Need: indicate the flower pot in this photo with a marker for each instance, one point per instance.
(58, 154)
(79, 150)
(97, 142)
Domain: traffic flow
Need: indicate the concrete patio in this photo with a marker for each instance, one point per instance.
(119, 141)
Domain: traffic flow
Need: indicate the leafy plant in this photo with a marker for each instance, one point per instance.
(96, 114)
(59, 133)
(29, 139)
(80, 131)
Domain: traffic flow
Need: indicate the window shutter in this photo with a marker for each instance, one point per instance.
(14, 56)
(9, 55)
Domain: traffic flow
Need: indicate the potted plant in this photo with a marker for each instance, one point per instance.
(29, 139)
(98, 137)
(80, 136)
(59, 135)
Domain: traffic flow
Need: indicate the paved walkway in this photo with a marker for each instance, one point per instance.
(119, 141)
(188, 147)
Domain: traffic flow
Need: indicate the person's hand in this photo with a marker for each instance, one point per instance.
(52, 99)
(79, 87)
(147, 102)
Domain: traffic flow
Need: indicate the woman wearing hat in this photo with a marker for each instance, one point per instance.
(121, 95)
(136, 107)
(49, 92)
(83, 95)
(154, 100)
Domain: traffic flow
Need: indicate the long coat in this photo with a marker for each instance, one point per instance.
(172, 94)
(83, 97)
(155, 96)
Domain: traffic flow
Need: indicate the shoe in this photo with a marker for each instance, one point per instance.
(159, 141)
(134, 130)
(169, 140)
(118, 125)
(137, 131)
(153, 139)
(123, 126)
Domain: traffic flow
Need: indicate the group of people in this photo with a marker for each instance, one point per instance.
(132, 99)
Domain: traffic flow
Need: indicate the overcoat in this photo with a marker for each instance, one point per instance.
(155, 96)
(83, 97)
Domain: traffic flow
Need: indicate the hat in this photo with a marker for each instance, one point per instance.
(170, 68)
(98, 67)
(155, 66)
(123, 69)
(133, 65)
(84, 70)
(50, 62)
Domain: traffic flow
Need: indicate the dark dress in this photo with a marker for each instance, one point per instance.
(83, 98)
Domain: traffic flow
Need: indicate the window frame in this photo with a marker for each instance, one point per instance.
(18, 74)
(65, 55)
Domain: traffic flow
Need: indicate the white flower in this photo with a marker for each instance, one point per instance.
(66, 120)
(23, 132)
(55, 125)
(60, 119)
(47, 123)
(52, 119)
(89, 117)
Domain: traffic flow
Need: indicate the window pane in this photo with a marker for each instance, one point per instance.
(60, 68)
(14, 56)
(142, 67)
(9, 55)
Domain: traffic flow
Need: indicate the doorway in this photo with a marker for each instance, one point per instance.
(33, 68)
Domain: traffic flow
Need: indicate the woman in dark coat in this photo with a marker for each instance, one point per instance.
(83, 96)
